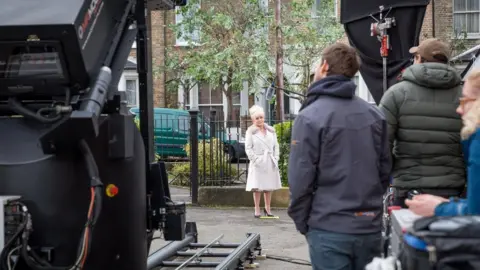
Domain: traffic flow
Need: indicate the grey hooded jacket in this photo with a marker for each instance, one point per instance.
(424, 128)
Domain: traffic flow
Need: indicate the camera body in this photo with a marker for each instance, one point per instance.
(62, 44)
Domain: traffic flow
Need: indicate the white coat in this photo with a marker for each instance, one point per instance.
(263, 152)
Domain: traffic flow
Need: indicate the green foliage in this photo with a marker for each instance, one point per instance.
(307, 31)
(284, 135)
(231, 43)
(212, 161)
(284, 131)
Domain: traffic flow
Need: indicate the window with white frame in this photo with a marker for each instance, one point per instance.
(355, 79)
(317, 8)
(131, 91)
(186, 35)
(261, 32)
(210, 98)
(362, 89)
(237, 106)
(370, 98)
(263, 5)
(466, 16)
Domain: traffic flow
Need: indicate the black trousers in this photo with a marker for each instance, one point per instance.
(400, 195)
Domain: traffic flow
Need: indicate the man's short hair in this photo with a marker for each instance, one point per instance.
(342, 59)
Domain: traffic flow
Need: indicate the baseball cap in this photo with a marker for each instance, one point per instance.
(430, 49)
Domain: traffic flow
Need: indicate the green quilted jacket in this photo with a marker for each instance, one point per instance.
(424, 128)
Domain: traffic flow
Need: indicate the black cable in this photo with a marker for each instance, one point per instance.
(96, 183)
(27, 254)
(39, 259)
(94, 176)
(17, 107)
(91, 165)
(289, 260)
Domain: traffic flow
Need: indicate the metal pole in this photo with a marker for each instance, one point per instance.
(194, 154)
(433, 18)
(385, 81)
(379, 29)
(222, 246)
(202, 265)
(213, 134)
(200, 252)
(169, 250)
(208, 254)
(386, 223)
(144, 64)
(213, 128)
(279, 62)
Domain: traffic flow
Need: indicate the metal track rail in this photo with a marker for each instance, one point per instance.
(184, 255)
(246, 251)
(199, 253)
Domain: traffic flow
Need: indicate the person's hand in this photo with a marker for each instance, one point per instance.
(424, 204)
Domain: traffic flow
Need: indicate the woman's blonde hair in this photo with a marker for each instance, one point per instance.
(255, 110)
(471, 120)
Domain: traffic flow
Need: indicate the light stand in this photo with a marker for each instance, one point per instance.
(379, 29)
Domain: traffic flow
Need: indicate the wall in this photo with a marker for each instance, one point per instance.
(158, 37)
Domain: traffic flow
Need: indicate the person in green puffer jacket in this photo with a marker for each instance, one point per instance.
(424, 128)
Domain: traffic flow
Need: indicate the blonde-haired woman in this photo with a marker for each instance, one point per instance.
(262, 149)
(469, 108)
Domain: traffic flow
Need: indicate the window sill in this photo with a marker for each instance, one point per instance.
(186, 44)
(471, 36)
(210, 104)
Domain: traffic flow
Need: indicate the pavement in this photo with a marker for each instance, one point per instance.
(181, 194)
(278, 236)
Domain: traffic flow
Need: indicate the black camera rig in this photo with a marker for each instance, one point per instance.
(61, 112)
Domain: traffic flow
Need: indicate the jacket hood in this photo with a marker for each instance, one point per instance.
(432, 75)
(334, 85)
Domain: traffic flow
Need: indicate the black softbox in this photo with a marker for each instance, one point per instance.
(356, 18)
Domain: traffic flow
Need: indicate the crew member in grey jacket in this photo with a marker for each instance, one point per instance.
(424, 127)
(339, 167)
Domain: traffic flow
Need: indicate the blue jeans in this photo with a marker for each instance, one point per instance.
(338, 251)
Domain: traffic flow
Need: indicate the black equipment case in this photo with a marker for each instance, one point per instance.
(442, 243)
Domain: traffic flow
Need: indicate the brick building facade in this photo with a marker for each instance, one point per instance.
(440, 19)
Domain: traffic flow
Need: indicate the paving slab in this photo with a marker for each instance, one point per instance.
(181, 194)
(278, 236)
